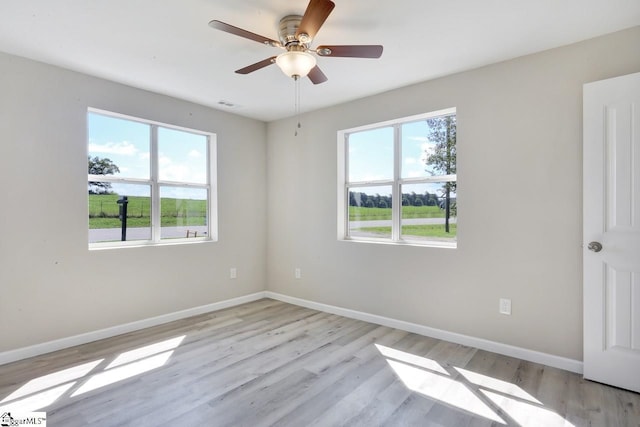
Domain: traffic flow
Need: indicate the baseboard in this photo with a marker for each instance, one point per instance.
(47, 347)
(495, 347)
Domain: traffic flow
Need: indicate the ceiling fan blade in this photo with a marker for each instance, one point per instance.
(219, 25)
(254, 67)
(351, 51)
(313, 18)
(317, 76)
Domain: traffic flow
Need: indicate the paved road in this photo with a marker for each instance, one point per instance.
(144, 233)
(407, 221)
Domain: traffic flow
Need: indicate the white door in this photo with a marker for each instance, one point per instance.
(611, 254)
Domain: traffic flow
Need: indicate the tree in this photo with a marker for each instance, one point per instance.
(101, 166)
(442, 131)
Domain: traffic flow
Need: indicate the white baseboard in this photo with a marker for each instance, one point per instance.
(47, 347)
(495, 347)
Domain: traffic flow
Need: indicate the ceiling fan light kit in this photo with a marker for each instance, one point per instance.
(296, 63)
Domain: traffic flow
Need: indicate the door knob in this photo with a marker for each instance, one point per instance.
(595, 246)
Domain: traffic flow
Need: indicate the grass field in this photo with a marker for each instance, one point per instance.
(104, 211)
(372, 214)
(427, 230)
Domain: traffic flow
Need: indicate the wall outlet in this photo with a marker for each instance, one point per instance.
(233, 273)
(505, 306)
(298, 273)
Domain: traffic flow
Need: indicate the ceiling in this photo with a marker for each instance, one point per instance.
(167, 47)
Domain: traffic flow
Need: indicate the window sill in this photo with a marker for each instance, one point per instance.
(414, 243)
(146, 244)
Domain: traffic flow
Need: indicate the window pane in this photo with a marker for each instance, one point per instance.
(429, 147)
(183, 212)
(424, 212)
(370, 212)
(371, 155)
(182, 156)
(105, 223)
(120, 143)
(415, 145)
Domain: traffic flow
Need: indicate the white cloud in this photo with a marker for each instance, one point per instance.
(124, 148)
(419, 138)
(372, 177)
(164, 160)
(428, 147)
(427, 151)
(194, 154)
(410, 160)
(415, 174)
(144, 156)
(172, 171)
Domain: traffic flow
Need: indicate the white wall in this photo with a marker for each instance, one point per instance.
(520, 203)
(519, 143)
(51, 285)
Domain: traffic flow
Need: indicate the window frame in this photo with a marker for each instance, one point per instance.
(155, 184)
(396, 182)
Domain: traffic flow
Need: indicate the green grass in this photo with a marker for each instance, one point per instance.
(371, 214)
(104, 211)
(426, 230)
(115, 222)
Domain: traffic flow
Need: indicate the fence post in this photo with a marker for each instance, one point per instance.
(123, 202)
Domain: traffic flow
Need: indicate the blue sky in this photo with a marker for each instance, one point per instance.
(182, 156)
(371, 157)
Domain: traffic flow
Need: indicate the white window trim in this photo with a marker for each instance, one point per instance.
(155, 184)
(396, 183)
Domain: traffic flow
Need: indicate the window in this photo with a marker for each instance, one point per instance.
(398, 181)
(148, 183)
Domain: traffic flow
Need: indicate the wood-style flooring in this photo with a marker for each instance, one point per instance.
(269, 363)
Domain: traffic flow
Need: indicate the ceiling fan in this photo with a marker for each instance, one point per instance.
(296, 34)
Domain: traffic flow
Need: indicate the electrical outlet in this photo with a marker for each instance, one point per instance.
(233, 273)
(505, 306)
(298, 273)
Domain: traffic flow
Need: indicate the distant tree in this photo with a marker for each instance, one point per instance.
(101, 166)
(442, 161)
(430, 199)
(352, 199)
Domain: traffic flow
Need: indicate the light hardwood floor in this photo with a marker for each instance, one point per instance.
(270, 363)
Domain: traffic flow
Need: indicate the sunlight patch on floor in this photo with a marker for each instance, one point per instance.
(526, 414)
(129, 370)
(497, 385)
(36, 401)
(470, 391)
(411, 359)
(43, 391)
(146, 351)
(443, 389)
(47, 381)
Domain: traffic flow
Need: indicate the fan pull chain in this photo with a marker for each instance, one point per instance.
(297, 103)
